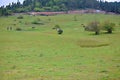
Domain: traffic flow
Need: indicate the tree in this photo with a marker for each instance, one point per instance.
(93, 26)
(60, 5)
(108, 26)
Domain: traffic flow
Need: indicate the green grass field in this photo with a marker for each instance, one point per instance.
(42, 54)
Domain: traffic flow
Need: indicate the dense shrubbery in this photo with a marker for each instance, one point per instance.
(108, 26)
(96, 26)
(93, 26)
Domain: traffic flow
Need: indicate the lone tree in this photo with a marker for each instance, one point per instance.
(58, 29)
(108, 26)
(93, 26)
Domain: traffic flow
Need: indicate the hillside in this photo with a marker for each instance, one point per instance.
(59, 5)
(39, 53)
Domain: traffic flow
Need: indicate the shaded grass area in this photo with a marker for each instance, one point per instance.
(42, 54)
(93, 42)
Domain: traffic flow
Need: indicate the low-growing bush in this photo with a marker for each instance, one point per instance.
(108, 26)
(20, 17)
(18, 29)
(96, 26)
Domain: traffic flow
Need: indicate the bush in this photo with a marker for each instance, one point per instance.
(93, 26)
(18, 29)
(20, 17)
(108, 26)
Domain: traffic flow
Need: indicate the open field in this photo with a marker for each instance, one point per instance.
(42, 54)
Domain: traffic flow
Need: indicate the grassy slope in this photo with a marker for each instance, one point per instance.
(41, 54)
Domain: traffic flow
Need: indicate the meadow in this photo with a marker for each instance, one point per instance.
(42, 54)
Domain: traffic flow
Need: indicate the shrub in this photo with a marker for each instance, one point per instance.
(108, 26)
(57, 26)
(18, 29)
(93, 26)
(20, 17)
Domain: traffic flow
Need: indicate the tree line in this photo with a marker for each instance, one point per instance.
(58, 5)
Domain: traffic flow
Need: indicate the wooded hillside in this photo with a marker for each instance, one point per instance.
(59, 5)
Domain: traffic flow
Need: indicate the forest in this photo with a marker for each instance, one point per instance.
(58, 5)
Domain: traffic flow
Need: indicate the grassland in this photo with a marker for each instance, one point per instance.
(42, 54)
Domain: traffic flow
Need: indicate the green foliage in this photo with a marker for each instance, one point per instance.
(37, 9)
(108, 26)
(20, 17)
(93, 26)
(57, 26)
(18, 29)
(59, 5)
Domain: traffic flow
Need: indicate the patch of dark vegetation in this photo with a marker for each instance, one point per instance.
(96, 26)
(20, 21)
(108, 26)
(37, 23)
(117, 65)
(14, 24)
(18, 29)
(33, 27)
(9, 28)
(15, 20)
(20, 17)
(104, 71)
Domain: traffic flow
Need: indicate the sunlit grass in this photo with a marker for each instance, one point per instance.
(42, 54)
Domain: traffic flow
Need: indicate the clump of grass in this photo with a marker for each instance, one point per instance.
(37, 23)
(13, 67)
(41, 55)
(92, 43)
(20, 17)
(103, 71)
(20, 21)
(38, 19)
